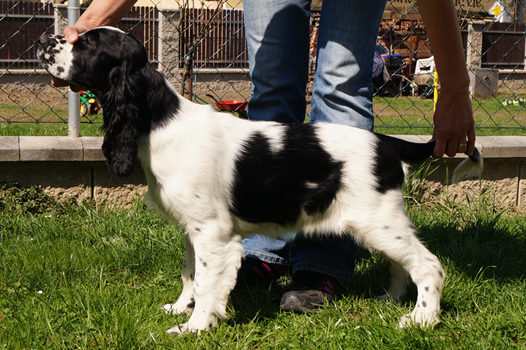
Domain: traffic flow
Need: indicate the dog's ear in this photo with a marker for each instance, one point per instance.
(122, 108)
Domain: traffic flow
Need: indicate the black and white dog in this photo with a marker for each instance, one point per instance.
(222, 178)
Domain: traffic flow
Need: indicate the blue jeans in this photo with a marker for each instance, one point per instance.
(278, 34)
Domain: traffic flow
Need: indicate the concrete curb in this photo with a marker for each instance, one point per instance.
(50, 148)
(63, 148)
(489, 146)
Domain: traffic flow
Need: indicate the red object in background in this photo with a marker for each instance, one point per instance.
(232, 105)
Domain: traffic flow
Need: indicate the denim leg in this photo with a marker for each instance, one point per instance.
(342, 94)
(333, 256)
(269, 250)
(342, 91)
(278, 44)
(278, 48)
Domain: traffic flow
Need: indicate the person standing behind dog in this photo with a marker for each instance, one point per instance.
(278, 44)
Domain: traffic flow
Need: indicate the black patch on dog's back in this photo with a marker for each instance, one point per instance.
(274, 186)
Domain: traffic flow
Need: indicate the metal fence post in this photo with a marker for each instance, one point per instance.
(168, 41)
(73, 97)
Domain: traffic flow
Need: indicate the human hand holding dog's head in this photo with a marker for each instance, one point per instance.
(71, 33)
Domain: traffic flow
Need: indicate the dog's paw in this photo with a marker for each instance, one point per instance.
(182, 329)
(178, 308)
(412, 320)
(189, 328)
(405, 321)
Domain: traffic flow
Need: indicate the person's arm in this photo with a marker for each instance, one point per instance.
(453, 119)
(99, 13)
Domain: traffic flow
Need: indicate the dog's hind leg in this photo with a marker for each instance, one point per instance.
(399, 244)
(428, 275)
(399, 281)
(186, 302)
(218, 259)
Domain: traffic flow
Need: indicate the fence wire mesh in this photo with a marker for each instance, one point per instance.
(201, 48)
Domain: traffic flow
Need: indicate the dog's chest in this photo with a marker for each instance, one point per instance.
(156, 195)
(181, 185)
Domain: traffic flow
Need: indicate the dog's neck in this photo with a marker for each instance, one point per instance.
(162, 100)
(136, 104)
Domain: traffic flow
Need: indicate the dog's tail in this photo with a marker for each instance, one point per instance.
(469, 167)
(411, 153)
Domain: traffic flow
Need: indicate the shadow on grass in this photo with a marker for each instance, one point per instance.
(474, 246)
(492, 246)
(256, 301)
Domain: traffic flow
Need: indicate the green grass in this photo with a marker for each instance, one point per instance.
(32, 111)
(57, 126)
(80, 276)
(90, 126)
(46, 129)
(414, 116)
(396, 116)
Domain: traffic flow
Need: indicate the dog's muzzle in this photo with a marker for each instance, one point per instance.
(47, 49)
(54, 53)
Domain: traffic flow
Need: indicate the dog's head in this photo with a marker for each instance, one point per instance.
(98, 60)
(115, 67)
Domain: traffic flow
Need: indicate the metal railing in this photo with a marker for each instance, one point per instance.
(214, 61)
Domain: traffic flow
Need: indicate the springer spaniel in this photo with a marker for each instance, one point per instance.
(222, 178)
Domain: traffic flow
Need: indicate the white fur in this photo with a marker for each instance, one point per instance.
(189, 166)
(65, 56)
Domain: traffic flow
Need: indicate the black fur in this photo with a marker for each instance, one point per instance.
(134, 96)
(390, 152)
(275, 186)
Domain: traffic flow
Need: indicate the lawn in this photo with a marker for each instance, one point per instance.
(414, 116)
(84, 276)
(57, 127)
(395, 116)
(80, 276)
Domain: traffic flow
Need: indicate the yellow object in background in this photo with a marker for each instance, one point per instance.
(435, 89)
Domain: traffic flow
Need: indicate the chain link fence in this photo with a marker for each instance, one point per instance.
(201, 48)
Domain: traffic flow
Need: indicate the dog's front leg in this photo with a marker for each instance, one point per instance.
(186, 302)
(217, 260)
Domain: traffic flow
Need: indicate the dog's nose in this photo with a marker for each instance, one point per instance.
(44, 39)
